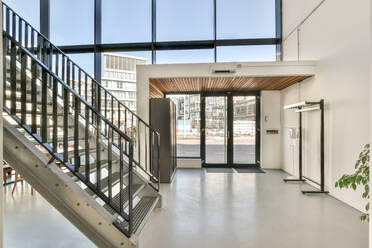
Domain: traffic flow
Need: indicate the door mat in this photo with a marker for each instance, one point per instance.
(249, 170)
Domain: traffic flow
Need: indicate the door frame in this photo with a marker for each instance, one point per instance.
(230, 129)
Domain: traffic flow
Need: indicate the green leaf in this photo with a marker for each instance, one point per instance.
(353, 186)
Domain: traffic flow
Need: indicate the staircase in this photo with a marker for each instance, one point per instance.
(84, 151)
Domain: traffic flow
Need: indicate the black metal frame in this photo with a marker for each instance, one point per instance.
(230, 129)
(154, 45)
(85, 100)
(301, 177)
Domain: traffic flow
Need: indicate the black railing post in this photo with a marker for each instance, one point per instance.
(121, 173)
(33, 95)
(98, 139)
(13, 77)
(44, 120)
(87, 156)
(55, 114)
(130, 183)
(23, 87)
(76, 134)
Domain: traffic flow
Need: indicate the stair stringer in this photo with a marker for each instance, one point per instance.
(61, 191)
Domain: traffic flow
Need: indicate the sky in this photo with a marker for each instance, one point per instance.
(130, 21)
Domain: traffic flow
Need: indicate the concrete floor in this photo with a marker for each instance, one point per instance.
(204, 209)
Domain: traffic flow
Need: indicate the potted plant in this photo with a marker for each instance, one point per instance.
(359, 177)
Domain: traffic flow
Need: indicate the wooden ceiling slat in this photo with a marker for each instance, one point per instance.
(159, 86)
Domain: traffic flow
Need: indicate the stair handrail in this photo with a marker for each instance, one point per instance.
(49, 79)
(45, 51)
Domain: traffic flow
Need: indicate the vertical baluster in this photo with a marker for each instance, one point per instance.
(44, 120)
(33, 96)
(98, 140)
(73, 76)
(26, 36)
(50, 57)
(14, 26)
(20, 30)
(86, 87)
(7, 20)
(79, 82)
(39, 45)
(32, 41)
(68, 71)
(119, 116)
(57, 63)
(87, 157)
(13, 77)
(105, 112)
(63, 71)
(76, 134)
(121, 172)
(55, 113)
(23, 87)
(109, 158)
(138, 138)
(130, 183)
(112, 116)
(65, 123)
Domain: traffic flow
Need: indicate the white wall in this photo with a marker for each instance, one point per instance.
(336, 36)
(270, 120)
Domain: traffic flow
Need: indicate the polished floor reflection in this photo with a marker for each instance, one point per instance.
(30, 221)
(206, 209)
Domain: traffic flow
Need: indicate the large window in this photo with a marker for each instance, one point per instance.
(188, 124)
(84, 60)
(185, 56)
(126, 21)
(240, 19)
(184, 20)
(246, 53)
(72, 22)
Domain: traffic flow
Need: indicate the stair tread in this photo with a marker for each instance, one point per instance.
(140, 211)
(104, 182)
(93, 165)
(125, 194)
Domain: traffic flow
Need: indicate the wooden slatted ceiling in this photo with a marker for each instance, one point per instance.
(160, 86)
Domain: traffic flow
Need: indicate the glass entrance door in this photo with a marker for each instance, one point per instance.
(230, 130)
(216, 138)
(244, 130)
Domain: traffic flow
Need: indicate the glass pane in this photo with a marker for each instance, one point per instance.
(184, 20)
(72, 22)
(240, 19)
(215, 130)
(246, 53)
(244, 122)
(125, 21)
(27, 9)
(119, 74)
(188, 124)
(185, 56)
(84, 60)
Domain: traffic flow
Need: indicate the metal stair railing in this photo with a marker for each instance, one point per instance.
(146, 141)
(23, 76)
